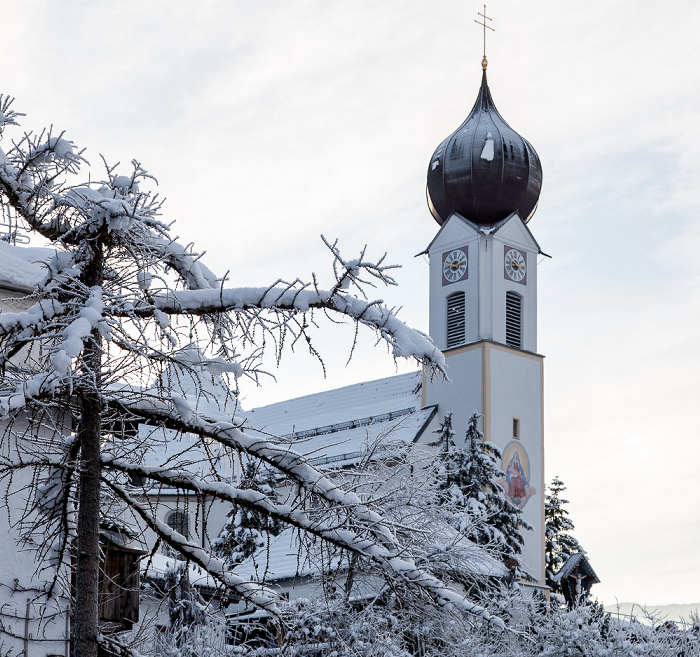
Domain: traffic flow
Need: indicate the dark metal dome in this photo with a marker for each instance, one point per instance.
(484, 170)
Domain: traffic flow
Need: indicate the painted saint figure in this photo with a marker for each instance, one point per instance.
(516, 470)
(516, 480)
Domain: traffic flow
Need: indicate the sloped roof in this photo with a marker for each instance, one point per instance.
(21, 267)
(338, 446)
(285, 557)
(579, 559)
(366, 399)
(333, 427)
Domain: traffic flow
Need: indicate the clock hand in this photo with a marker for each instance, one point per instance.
(515, 264)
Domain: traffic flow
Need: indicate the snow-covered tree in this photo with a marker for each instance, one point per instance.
(112, 320)
(559, 543)
(385, 628)
(192, 631)
(247, 530)
(468, 479)
(344, 612)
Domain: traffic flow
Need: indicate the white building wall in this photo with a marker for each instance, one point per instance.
(462, 394)
(516, 391)
(486, 285)
(486, 376)
(28, 620)
(512, 235)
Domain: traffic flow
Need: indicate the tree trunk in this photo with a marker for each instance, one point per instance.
(89, 434)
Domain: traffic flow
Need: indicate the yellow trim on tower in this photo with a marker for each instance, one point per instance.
(455, 351)
(486, 389)
(544, 537)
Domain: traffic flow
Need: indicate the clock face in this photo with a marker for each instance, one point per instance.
(515, 265)
(454, 266)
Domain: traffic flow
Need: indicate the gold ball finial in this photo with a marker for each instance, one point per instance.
(484, 63)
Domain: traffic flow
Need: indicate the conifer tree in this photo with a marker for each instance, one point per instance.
(482, 511)
(247, 530)
(559, 544)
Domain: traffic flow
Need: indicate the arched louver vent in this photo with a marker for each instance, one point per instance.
(514, 320)
(456, 320)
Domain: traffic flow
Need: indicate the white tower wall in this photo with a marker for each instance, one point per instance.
(500, 382)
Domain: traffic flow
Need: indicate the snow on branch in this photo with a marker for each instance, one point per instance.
(34, 318)
(7, 115)
(251, 591)
(366, 533)
(350, 272)
(405, 342)
(34, 388)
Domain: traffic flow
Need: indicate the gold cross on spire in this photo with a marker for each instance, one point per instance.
(484, 61)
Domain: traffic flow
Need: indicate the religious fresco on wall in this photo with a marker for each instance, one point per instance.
(516, 466)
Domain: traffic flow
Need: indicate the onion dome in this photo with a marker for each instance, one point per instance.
(484, 170)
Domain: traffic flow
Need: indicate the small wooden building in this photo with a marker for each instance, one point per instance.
(576, 578)
(119, 581)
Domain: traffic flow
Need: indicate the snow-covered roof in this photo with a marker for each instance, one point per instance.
(366, 399)
(183, 451)
(285, 557)
(333, 427)
(21, 267)
(158, 567)
(341, 446)
(578, 559)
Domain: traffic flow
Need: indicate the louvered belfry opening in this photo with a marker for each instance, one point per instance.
(514, 320)
(456, 319)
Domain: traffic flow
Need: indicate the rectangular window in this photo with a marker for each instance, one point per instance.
(516, 428)
(514, 320)
(456, 319)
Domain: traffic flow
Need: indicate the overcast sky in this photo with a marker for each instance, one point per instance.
(268, 123)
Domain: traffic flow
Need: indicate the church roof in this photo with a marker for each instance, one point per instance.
(364, 399)
(334, 426)
(286, 557)
(22, 267)
(484, 170)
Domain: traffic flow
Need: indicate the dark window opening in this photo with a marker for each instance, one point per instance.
(514, 320)
(180, 522)
(456, 319)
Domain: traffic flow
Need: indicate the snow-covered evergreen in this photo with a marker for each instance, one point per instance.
(247, 530)
(468, 476)
(559, 543)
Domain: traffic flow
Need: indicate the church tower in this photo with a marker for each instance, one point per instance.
(484, 182)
